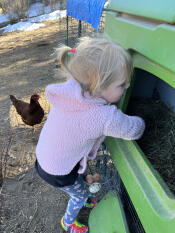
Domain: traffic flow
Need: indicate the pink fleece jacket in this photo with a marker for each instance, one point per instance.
(77, 125)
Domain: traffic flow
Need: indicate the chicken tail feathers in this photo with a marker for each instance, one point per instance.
(13, 99)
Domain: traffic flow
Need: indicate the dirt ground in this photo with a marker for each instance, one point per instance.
(27, 204)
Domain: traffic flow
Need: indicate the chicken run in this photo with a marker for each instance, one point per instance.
(18, 142)
(28, 203)
(27, 67)
(18, 148)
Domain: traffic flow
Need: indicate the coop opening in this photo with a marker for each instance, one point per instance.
(153, 100)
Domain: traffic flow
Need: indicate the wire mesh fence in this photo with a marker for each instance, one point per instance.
(77, 28)
(111, 181)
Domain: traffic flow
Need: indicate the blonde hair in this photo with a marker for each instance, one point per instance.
(96, 63)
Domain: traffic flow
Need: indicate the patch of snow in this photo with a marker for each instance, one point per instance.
(50, 16)
(38, 9)
(35, 9)
(22, 26)
(3, 18)
(30, 24)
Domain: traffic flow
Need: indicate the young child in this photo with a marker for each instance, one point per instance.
(81, 117)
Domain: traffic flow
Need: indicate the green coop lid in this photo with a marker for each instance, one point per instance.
(157, 9)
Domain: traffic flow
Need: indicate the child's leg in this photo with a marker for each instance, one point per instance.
(78, 196)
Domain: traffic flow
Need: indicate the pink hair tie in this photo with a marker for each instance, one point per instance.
(73, 50)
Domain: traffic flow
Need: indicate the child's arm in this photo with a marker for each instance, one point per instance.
(120, 125)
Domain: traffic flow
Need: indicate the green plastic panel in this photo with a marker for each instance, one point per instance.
(154, 41)
(154, 203)
(155, 9)
(152, 46)
(108, 216)
(152, 199)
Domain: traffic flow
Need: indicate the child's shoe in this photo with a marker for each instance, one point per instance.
(75, 227)
(91, 202)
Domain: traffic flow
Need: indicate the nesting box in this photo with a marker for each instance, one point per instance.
(146, 29)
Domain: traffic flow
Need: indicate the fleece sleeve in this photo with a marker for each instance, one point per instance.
(120, 125)
(51, 93)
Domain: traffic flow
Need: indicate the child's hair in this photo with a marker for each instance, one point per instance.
(96, 63)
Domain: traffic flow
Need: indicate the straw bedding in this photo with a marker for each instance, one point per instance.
(158, 141)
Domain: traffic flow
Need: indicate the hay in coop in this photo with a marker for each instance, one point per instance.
(158, 141)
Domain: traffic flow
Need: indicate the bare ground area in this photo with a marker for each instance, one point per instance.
(27, 204)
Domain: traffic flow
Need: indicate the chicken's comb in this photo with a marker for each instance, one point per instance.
(36, 94)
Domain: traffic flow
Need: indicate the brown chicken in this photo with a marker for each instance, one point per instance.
(31, 113)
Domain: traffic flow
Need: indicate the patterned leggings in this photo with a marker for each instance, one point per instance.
(78, 196)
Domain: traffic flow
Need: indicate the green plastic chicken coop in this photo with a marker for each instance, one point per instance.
(147, 30)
